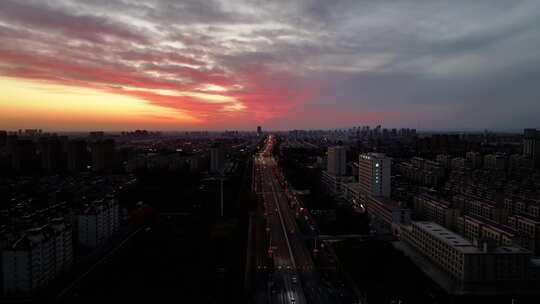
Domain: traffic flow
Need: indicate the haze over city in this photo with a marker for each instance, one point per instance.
(270, 151)
(193, 65)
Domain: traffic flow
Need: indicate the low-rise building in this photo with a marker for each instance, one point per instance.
(522, 206)
(387, 213)
(529, 228)
(496, 162)
(474, 159)
(351, 192)
(473, 205)
(458, 163)
(440, 211)
(334, 184)
(444, 160)
(422, 171)
(465, 261)
(477, 228)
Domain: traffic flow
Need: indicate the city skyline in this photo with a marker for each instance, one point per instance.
(189, 65)
(270, 151)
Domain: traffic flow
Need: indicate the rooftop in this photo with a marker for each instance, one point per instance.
(460, 243)
(441, 233)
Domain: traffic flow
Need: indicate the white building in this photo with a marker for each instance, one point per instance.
(36, 257)
(463, 260)
(337, 161)
(374, 174)
(97, 222)
(63, 245)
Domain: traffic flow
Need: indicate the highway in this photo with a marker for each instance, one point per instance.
(294, 278)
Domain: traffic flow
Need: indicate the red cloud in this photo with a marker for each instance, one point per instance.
(270, 95)
(42, 43)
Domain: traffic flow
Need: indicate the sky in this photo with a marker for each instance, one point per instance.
(71, 65)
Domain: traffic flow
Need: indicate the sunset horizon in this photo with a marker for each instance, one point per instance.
(270, 151)
(69, 65)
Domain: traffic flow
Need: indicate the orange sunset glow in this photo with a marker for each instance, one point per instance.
(270, 151)
(186, 65)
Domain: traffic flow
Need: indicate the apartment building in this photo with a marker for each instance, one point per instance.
(440, 211)
(464, 260)
(529, 228)
(374, 174)
(35, 257)
(97, 222)
(388, 213)
(473, 205)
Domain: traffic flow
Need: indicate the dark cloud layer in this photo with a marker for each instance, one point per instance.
(291, 64)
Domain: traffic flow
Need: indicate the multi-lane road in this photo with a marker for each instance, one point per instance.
(294, 278)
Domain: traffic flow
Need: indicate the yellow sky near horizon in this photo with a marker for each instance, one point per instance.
(35, 104)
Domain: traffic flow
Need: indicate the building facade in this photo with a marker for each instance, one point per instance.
(36, 257)
(434, 209)
(465, 261)
(217, 160)
(531, 145)
(337, 161)
(97, 222)
(374, 174)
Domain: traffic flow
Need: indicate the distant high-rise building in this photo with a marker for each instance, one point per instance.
(337, 162)
(518, 161)
(32, 132)
(531, 145)
(103, 155)
(3, 138)
(217, 159)
(77, 155)
(374, 174)
(259, 130)
(474, 159)
(23, 155)
(96, 135)
(51, 155)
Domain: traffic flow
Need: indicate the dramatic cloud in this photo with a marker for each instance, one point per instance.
(289, 64)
